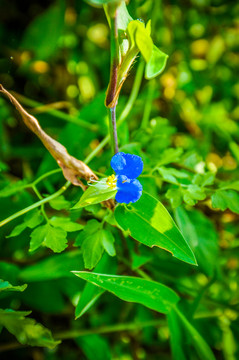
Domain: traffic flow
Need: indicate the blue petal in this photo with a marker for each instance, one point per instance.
(128, 190)
(127, 164)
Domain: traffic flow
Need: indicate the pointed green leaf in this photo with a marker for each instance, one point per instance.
(140, 38)
(156, 63)
(149, 222)
(128, 288)
(108, 242)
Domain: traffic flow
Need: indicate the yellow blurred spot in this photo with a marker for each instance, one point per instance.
(86, 86)
(25, 56)
(202, 279)
(169, 93)
(214, 162)
(216, 49)
(82, 68)
(199, 48)
(198, 64)
(94, 143)
(98, 34)
(70, 16)
(196, 30)
(72, 91)
(232, 263)
(204, 95)
(40, 66)
(229, 163)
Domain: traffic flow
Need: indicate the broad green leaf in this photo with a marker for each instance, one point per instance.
(60, 203)
(226, 199)
(156, 63)
(149, 222)
(53, 267)
(53, 238)
(48, 25)
(108, 242)
(95, 194)
(91, 293)
(128, 288)
(6, 286)
(27, 331)
(92, 249)
(65, 223)
(200, 345)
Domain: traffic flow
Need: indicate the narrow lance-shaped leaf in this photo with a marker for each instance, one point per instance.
(150, 223)
(128, 288)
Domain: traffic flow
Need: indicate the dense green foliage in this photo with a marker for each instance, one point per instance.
(78, 279)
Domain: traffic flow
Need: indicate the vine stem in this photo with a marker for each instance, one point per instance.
(35, 205)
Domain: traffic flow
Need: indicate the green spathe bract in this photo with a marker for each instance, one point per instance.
(128, 288)
(150, 223)
(95, 194)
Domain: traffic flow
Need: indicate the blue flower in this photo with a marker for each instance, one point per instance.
(127, 168)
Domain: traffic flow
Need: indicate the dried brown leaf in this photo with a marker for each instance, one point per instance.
(72, 168)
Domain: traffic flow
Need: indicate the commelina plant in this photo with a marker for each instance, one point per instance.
(116, 216)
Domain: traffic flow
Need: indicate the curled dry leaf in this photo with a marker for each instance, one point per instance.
(72, 168)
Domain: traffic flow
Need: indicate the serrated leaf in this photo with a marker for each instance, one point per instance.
(26, 330)
(95, 194)
(148, 293)
(156, 63)
(54, 238)
(65, 224)
(149, 222)
(6, 286)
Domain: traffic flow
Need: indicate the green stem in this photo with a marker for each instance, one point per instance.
(125, 112)
(37, 204)
(108, 329)
(58, 114)
(113, 130)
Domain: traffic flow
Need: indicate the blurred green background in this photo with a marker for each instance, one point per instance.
(54, 57)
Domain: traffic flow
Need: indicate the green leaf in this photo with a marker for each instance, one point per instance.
(53, 267)
(192, 194)
(150, 223)
(31, 220)
(95, 347)
(53, 238)
(175, 197)
(176, 336)
(226, 199)
(170, 155)
(92, 248)
(202, 237)
(139, 37)
(156, 63)
(200, 345)
(108, 242)
(65, 224)
(27, 331)
(95, 194)
(148, 293)
(48, 25)
(91, 293)
(6, 286)
(60, 203)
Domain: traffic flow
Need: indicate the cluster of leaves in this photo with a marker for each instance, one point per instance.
(190, 168)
